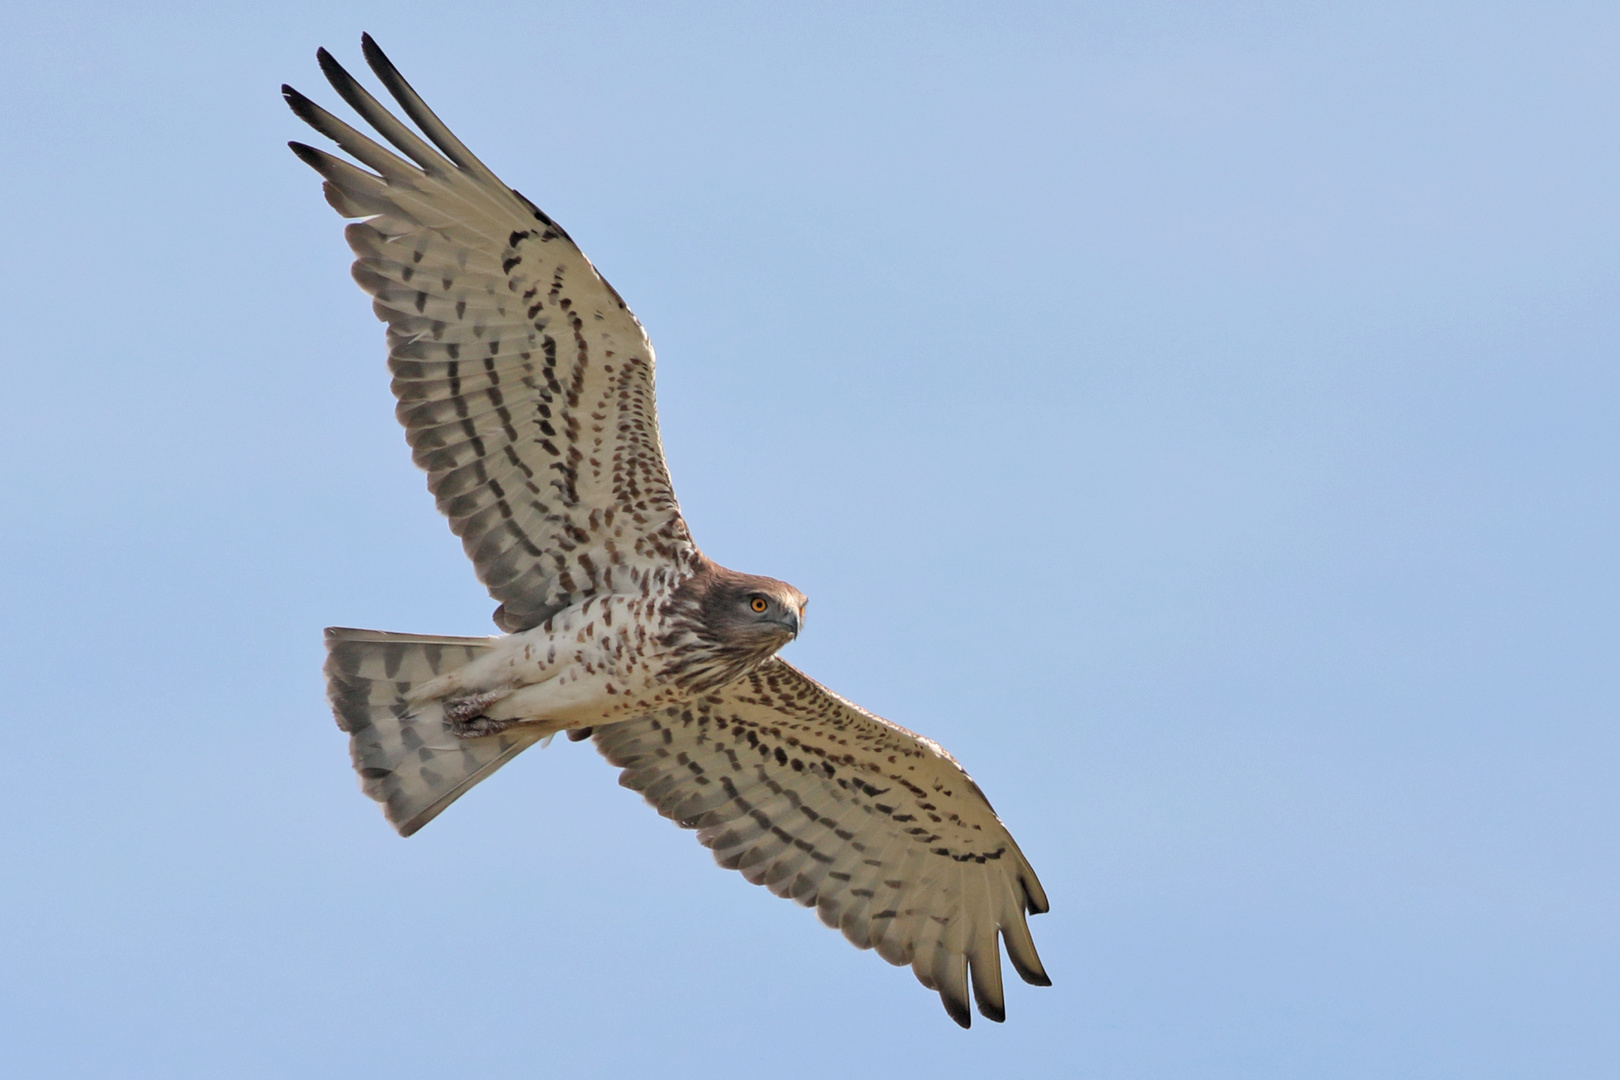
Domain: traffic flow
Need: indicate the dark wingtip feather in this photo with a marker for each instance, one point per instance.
(429, 124)
(311, 157)
(1027, 964)
(957, 1008)
(336, 74)
(384, 68)
(328, 62)
(375, 56)
(301, 106)
(987, 993)
(1035, 901)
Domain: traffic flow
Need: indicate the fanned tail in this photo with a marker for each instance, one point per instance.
(407, 757)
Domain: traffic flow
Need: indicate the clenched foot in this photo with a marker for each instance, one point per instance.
(466, 720)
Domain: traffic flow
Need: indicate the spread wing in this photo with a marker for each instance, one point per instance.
(875, 827)
(524, 382)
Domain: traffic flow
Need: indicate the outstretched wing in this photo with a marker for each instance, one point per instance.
(524, 382)
(875, 827)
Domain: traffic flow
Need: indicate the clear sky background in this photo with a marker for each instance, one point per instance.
(1200, 418)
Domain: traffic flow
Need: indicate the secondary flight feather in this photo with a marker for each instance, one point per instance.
(525, 386)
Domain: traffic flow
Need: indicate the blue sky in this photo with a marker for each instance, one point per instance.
(1199, 418)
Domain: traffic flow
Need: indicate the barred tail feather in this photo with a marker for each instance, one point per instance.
(407, 757)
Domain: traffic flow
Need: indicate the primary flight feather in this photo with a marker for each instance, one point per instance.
(525, 386)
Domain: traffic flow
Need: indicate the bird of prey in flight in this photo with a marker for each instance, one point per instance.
(525, 386)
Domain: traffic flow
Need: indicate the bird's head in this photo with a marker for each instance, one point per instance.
(722, 623)
(751, 614)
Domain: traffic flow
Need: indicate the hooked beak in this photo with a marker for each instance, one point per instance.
(794, 622)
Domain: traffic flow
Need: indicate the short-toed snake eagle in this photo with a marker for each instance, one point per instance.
(525, 386)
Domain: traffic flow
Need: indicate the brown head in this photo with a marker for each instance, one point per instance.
(727, 623)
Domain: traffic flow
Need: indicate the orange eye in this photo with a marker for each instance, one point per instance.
(758, 604)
